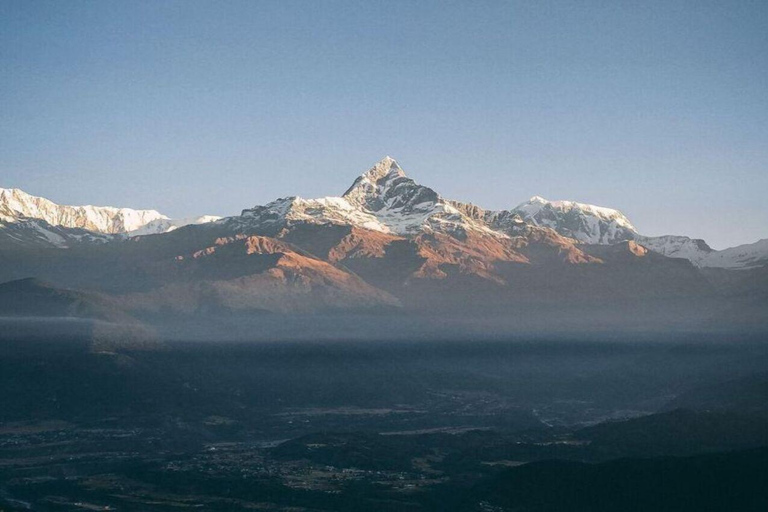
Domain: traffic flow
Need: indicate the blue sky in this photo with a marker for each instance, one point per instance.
(659, 109)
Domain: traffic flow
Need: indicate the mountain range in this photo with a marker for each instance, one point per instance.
(386, 244)
(29, 220)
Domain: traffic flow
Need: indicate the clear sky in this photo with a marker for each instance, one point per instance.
(659, 109)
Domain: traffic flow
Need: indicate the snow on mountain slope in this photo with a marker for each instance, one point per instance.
(29, 233)
(702, 255)
(404, 206)
(673, 246)
(597, 225)
(584, 222)
(30, 220)
(605, 226)
(382, 199)
(739, 257)
(16, 203)
(167, 225)
(291, 210)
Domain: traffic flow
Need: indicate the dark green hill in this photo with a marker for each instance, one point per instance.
(677, 432)
(714, 482)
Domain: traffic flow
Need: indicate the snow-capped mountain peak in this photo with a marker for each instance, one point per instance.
(382, 199)
(591, 224)
(584, 222)
(385, 186)
(26, 218)
(386, 167)
(16, 204)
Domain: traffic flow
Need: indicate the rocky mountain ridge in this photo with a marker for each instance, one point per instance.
(32, 220)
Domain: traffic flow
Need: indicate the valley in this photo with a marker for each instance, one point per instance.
(394, 425)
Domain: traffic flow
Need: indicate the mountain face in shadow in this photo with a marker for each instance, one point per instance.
(32, 297)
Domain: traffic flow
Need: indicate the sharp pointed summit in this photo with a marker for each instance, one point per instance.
(385, 187)
(386, 168)
(382, 199)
